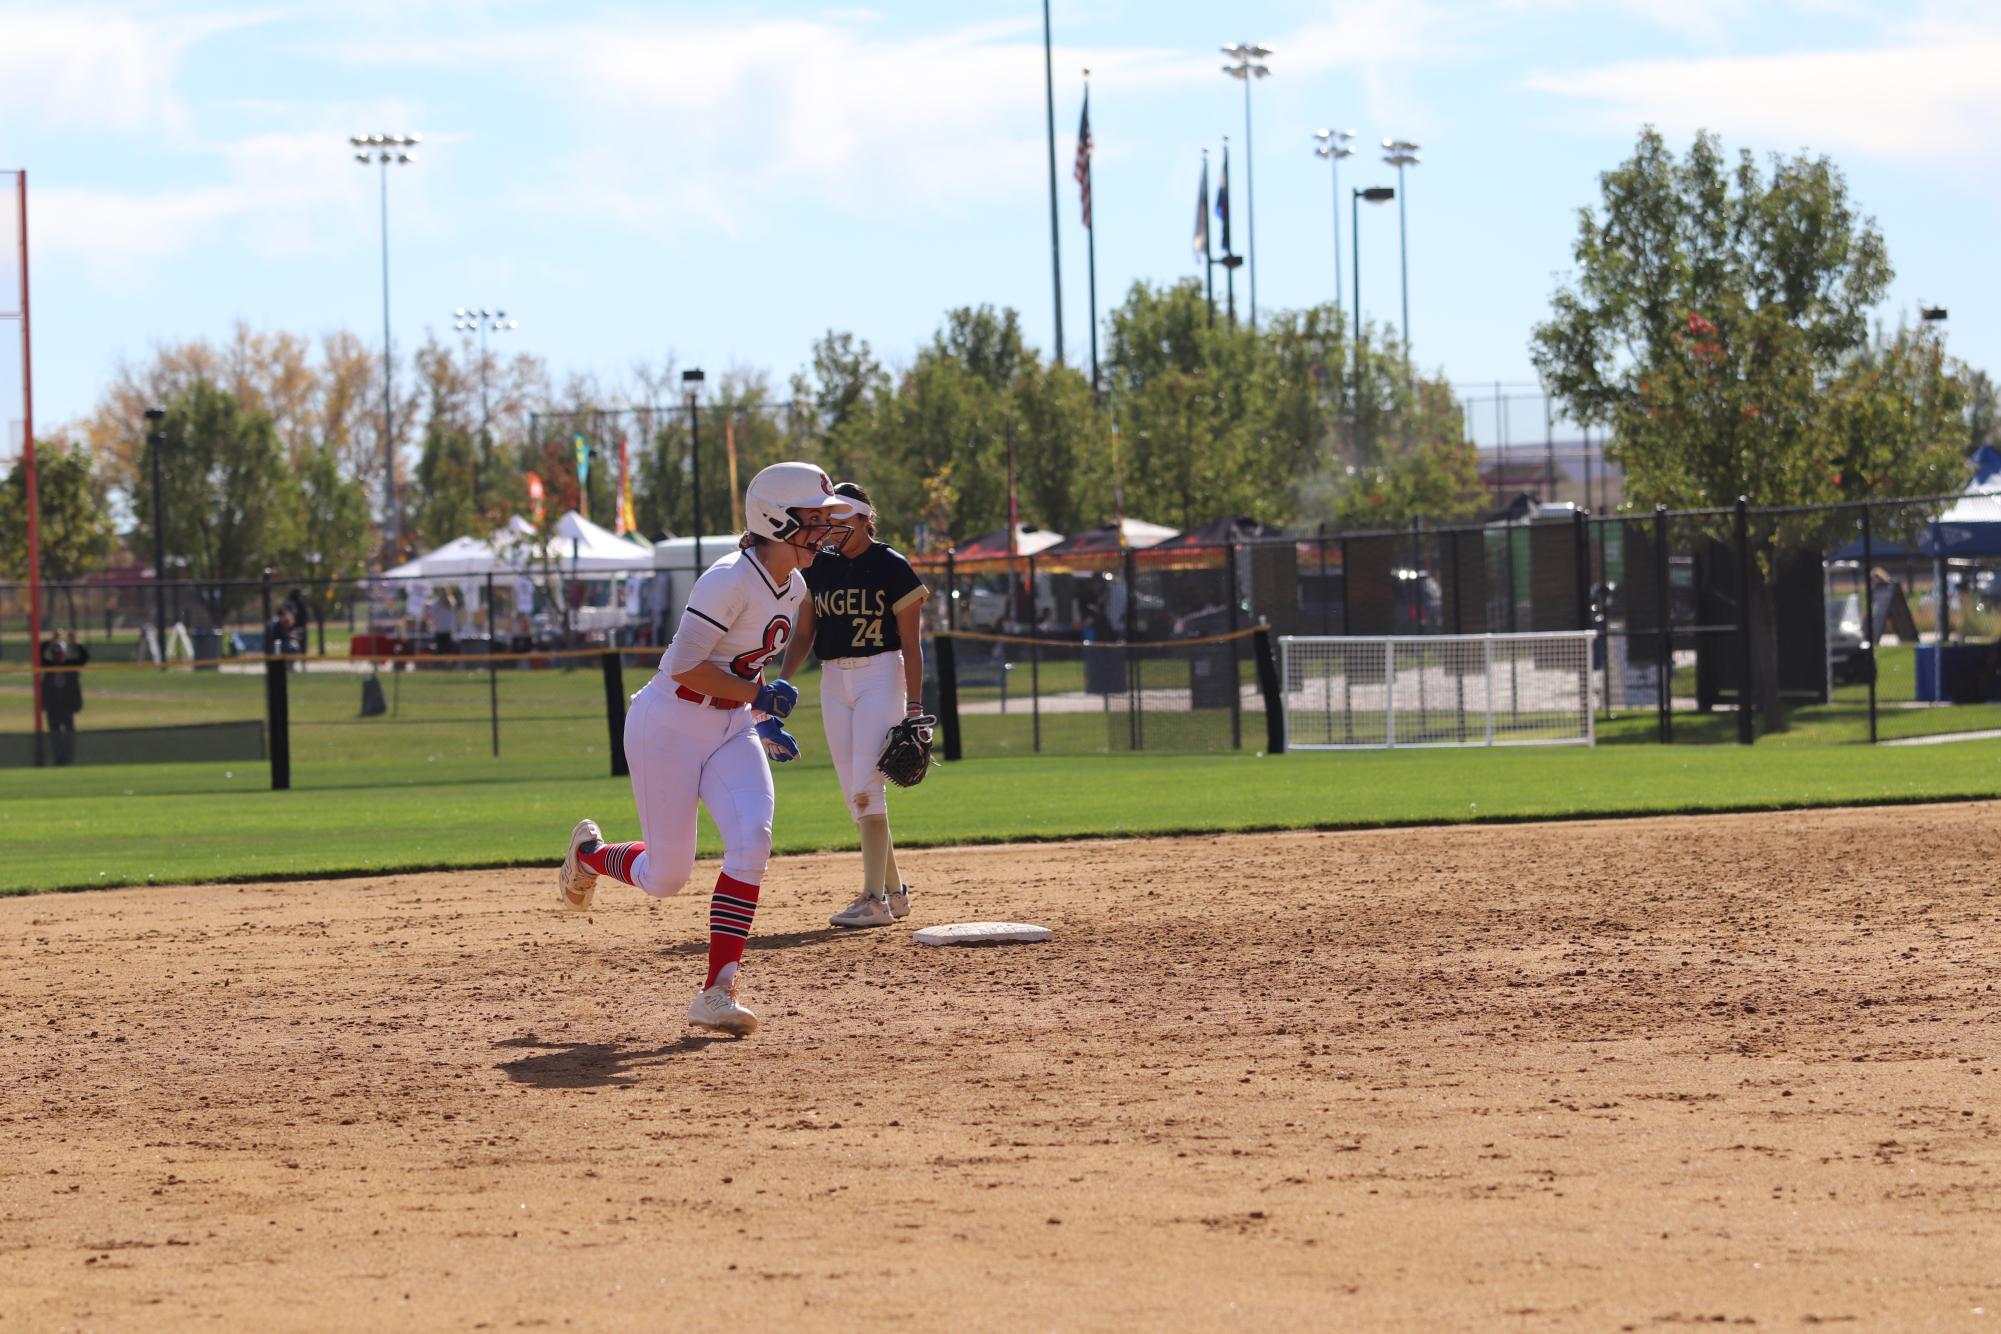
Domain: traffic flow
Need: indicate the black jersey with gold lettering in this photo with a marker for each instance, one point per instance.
(855, 601)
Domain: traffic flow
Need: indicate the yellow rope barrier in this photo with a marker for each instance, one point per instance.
(242, 659)
(985, 638)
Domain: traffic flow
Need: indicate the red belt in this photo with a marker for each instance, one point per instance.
(713, 701)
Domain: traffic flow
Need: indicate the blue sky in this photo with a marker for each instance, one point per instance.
(722, 183)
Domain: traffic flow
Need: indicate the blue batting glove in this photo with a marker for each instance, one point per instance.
(779, 744)
(775, 699)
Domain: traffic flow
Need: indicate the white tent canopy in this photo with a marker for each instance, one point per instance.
(578, 544)
(678, 553)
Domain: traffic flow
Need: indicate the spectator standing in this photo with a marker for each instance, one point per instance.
(62, 692)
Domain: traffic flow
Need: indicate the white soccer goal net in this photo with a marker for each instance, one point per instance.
(1437, 690)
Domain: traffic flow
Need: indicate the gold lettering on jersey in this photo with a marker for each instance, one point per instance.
(851, 602)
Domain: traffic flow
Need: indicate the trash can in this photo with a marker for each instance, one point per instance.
(1104, 670)
(1212, 676)
(373, 705)
(207, 645)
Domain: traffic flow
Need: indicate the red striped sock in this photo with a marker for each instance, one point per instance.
(613, 859)
(731, 909)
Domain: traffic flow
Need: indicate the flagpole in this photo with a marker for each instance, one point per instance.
(38, 682)
(1229, 269)
(1055, 248)
(1091, 231)
(1208, 255)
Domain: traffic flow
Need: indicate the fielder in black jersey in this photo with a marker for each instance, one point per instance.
(856, 602)
(861, 620)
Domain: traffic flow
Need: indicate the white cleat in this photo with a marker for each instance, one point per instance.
(899, 902)
(868, 910)
(717, 1009)
(576, 883)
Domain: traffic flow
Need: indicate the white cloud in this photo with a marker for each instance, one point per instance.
(723, 120)
(279, 193)
(1928, 100)
(78, 66)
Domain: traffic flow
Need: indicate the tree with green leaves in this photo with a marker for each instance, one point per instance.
(229, 504)
(1294, 423)
(332, 538)
(76, 532)
(1719, 324)
(75, 529)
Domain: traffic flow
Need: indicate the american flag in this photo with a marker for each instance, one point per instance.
(1083, 168)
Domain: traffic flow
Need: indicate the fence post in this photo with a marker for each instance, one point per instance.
(1580, 532)
(614, 708)
(1487, 643)
(1323, 578)
(1034, 668)
(1746, 725)
(492, 664)
(1390, 693)
(1135, 719)
(1236, 691)
(1344, 587)
(952, 589)
(1869, 613)
(1268, 686)
(948, 694)
(278, 720)
(1664, 620)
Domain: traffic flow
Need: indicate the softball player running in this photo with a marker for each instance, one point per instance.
(862, 623)
(689, 736)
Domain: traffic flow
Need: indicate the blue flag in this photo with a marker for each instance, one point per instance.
(1223, 199)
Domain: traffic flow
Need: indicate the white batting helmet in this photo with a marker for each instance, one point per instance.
(795, 503)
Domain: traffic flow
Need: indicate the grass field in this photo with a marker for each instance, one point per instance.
(420, 788)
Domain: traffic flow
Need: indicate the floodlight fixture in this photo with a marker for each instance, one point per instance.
(382, 150)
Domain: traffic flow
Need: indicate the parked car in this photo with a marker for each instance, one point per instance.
(1847, 651)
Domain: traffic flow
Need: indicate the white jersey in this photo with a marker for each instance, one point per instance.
(737, 618)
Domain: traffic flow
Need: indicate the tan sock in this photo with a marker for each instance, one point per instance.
(892, 879)
(875, 852)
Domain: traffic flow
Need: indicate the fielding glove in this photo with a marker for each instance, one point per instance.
(775, 699)
(779, 744)
(906, 757)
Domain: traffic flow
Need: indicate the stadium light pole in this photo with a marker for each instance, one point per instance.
(1245, 66)
(1401, 153)
(1375, 194)
(381, 150)
(156, 439)
(1333, 146)
(691, 388)
(482, 319)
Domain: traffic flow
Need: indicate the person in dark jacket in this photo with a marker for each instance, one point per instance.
(62, 692)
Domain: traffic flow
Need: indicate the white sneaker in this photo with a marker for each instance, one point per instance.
(868, 910)
(717, 1009)
(576, 883)
(899, 902)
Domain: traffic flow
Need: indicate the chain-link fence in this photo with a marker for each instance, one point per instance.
(1884, 635)
(1867, 622)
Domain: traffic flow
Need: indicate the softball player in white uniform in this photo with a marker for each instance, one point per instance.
(693, 733)
(861, 621)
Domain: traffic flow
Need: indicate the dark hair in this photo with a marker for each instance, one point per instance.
(853, 491)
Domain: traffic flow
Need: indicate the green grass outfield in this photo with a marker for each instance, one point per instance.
(85, 827)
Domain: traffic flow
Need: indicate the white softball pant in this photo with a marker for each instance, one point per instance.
(681, 753)
(860, 700)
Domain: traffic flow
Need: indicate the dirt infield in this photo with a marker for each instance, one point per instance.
(1641, 1075)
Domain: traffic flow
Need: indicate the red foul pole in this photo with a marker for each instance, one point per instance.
(28, 471)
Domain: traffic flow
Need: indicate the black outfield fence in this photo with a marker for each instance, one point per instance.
(1886, 614)
(1024, 694)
